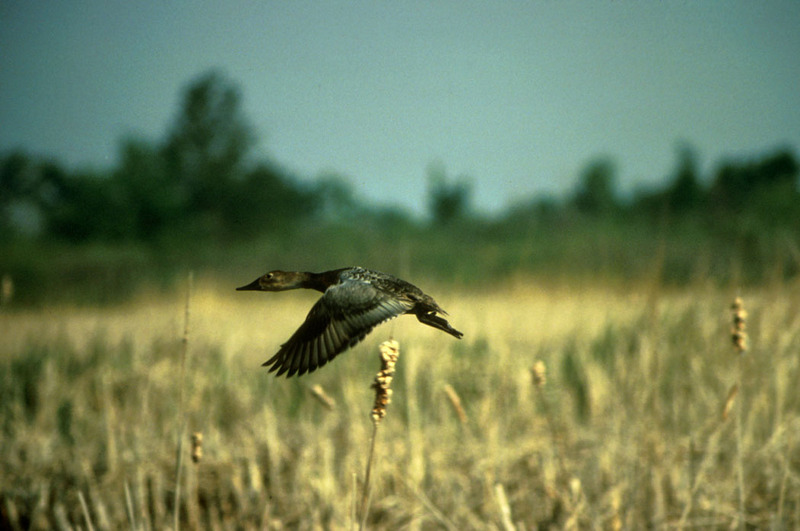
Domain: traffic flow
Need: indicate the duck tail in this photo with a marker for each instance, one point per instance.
(431, 319)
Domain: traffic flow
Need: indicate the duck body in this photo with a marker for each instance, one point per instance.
(354, 301)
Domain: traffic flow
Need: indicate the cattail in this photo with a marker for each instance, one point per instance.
(325, 399)
(389, 351)
(455, 401)
(739, 338)
(197, 446)
(539, 373)
(738, 334)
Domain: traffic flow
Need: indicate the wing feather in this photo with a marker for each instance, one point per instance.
(342, 317)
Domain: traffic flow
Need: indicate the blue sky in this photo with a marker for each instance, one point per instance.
(518, 96)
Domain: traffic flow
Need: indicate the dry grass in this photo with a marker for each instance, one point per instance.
(626, 432)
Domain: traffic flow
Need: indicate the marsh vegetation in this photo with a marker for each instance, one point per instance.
(627, 431)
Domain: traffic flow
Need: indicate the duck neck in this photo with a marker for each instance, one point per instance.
(317, 281)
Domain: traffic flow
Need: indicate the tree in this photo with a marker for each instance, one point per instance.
(90, 207)
(684, 194)
(154, 200)
(266, 201)
(448, 202)
(738, 185)
(208, 147)
(596, 192)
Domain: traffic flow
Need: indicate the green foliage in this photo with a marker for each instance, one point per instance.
(155, 202)
(449, 203)
(596, 193)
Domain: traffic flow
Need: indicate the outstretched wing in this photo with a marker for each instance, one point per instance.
(342, 317)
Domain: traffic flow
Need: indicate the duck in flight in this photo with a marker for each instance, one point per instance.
(354, 301)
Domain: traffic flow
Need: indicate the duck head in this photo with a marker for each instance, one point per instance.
(276, 281)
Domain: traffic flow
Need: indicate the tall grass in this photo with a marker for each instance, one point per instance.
(626, 433)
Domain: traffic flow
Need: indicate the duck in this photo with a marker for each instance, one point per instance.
(354, 301)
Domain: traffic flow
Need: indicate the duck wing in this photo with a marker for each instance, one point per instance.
(342, 317)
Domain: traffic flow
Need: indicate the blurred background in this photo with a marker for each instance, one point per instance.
(460, 141)
(586, 187)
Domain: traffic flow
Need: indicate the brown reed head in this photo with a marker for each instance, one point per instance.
(738, 333)
(197, 446)
(389, 352)
(539, 373)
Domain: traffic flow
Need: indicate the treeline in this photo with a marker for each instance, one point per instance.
(202, 182)
(200, 198)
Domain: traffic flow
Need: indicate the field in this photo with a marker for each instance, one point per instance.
(648, 418)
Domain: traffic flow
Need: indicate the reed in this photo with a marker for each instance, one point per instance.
(455, 402)
(275, 458)
(318, 392)
(389, 352)
(85, 511)
(739, 339)
(180, 424)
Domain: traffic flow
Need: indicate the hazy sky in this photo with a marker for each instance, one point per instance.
(517, 95)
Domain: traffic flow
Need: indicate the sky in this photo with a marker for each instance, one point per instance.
(518, 97)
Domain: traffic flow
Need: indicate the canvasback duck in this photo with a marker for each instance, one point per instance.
(354, 301)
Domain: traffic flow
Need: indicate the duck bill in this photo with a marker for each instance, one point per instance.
(253, 286)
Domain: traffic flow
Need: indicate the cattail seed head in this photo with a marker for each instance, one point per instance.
(197, 446)
(539, 373)
(738, 333)
(389, 352)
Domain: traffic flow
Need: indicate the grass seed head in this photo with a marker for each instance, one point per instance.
(738, 333)
(389, 352)
(197, 446)
(539, 373)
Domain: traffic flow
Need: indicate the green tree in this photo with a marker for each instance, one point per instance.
(17, 178)
(596, 192)
(739, 185)
(267, 200)
(153, 199)
(207, 149)
(685, 193)
(90, 207)
(448, 202)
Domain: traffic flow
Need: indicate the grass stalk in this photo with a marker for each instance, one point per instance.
(455, 402)
(180, 422)
(365, 496)
(389, 352)
(739, 338)
(353, 501)
(539, 379)
(85, 509)
(505, 509)
(129, 507)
